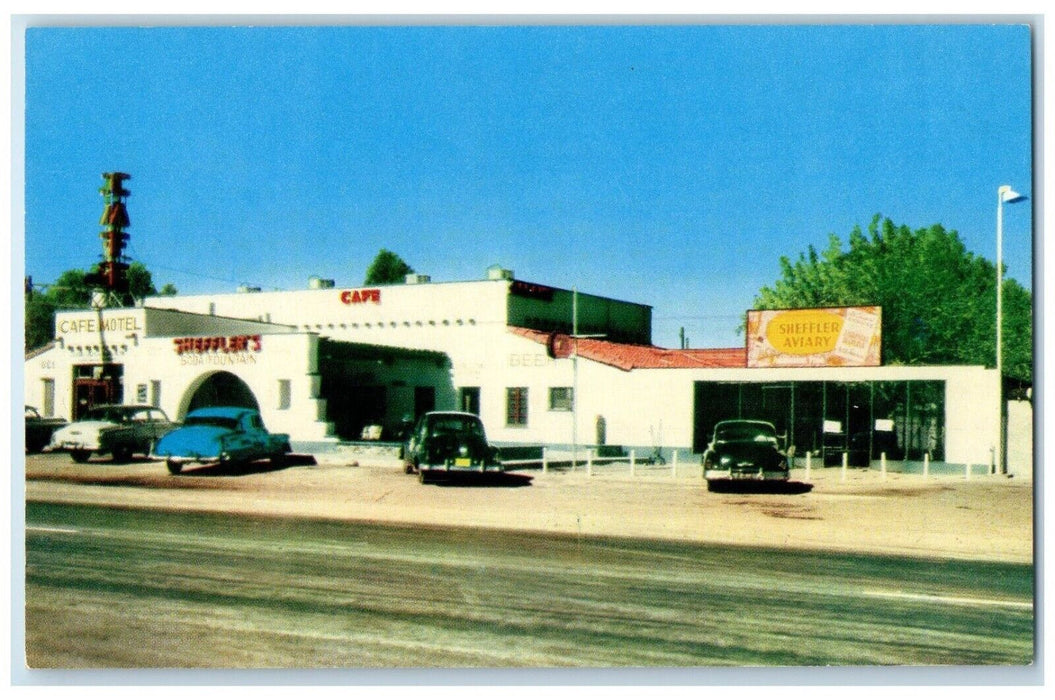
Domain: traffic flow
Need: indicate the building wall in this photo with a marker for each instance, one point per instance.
(1020, 439)
(645, 408)
(553, 310)
(466, 322)
(155, 371)
(421, 316)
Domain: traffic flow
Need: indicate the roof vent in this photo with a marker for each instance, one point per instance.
(497, 272)
(319, 283)
(414, 278)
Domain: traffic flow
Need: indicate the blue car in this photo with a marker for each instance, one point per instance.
(221, 434)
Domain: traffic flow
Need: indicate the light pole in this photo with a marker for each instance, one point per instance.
(1004, 194)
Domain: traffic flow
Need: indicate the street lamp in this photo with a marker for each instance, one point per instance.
(1004, 194)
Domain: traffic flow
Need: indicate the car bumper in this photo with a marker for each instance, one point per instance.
(72, 446)
(744, 475)
(454, 468)
(188, 459)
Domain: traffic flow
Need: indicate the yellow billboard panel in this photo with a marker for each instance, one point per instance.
(836, 337)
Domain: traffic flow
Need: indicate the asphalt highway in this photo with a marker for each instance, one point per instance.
(112, 587)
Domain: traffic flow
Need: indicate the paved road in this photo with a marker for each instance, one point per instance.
(127, 588)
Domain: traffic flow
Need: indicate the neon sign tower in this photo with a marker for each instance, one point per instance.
(111, 275)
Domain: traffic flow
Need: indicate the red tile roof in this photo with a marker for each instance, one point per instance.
(627, 357)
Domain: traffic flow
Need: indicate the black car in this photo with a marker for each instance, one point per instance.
(745, 449)
(39, 429)
(449, 442)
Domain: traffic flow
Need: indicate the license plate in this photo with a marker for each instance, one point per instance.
(462, 462)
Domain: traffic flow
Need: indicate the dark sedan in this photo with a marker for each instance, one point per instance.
(448, 442)
(745, 449)
(39, 429)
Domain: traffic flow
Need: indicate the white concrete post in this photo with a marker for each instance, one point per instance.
(633, 461)
(589, 462)
(674, 463)
(809, 464)
(926, 464)
(545, 462)
(846, 463)
(882, 464)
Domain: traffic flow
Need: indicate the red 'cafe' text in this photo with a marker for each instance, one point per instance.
(361, 296)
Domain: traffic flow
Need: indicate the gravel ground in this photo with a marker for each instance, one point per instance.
(983, 518)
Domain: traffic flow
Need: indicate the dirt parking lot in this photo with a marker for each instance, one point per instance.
(984, 517)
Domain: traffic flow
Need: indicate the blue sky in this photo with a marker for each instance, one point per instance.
(667, 165)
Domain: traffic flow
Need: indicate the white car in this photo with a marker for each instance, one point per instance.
(120, 431)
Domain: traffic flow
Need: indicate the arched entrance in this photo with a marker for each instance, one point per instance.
(221, 389)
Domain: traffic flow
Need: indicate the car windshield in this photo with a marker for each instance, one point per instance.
(113, 414)
(745, 432)
(456, 424)
(215, 421)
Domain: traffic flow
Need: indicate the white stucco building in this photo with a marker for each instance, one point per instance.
(323, 362)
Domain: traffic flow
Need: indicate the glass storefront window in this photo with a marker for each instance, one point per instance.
(901, 419)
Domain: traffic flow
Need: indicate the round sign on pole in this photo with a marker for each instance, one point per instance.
(558, 346)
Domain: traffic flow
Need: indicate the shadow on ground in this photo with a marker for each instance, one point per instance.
(502, 479)
(247, 468)
(782, 487)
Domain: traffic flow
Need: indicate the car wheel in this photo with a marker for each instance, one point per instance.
(174, 466)
(80, 456)
(122, 454)
(423, 476)
(278, 460)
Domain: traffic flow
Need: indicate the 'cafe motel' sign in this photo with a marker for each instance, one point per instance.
(838, 337)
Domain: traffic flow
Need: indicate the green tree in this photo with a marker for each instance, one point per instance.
(938, 299)
(71, 291)
(387, 268)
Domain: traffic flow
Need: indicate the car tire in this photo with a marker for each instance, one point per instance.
(80, 456)
(173, 466)
(122, 454)
(423, 476)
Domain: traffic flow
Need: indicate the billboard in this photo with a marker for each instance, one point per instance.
(835, 337)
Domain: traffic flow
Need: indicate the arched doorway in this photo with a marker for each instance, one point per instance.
(222, 389)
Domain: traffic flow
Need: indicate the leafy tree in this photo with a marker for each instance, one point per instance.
(387, 268)
(938, 299)
(71, 291)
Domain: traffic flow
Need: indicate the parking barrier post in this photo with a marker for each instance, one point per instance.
(846, 463)
(674, 463)
(926, 464)
(882, 464)
(809, 464)
(545, 462)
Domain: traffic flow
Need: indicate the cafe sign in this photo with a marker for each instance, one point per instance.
(829, 337)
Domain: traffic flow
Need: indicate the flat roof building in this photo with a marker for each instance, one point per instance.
(324, 363)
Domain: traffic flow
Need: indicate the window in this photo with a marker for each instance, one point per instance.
(516, 405)
(561, 398)
(49, 398)
(155, 393)
(470, 399)
(284, 394)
